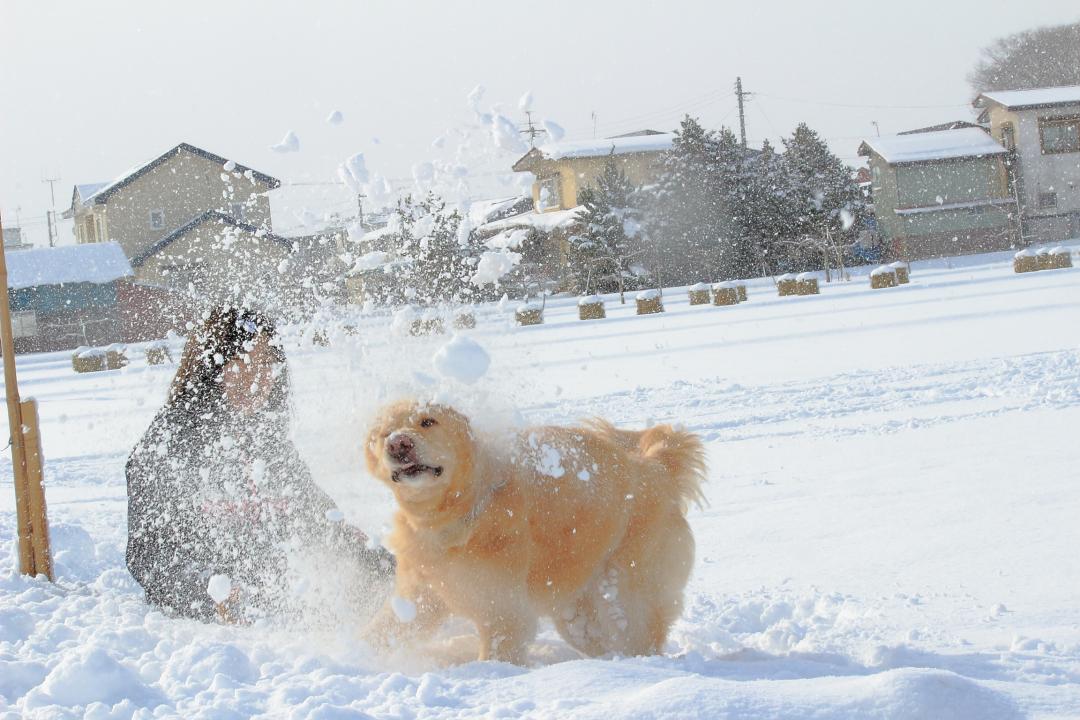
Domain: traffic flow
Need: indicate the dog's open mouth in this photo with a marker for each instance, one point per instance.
(414, 470)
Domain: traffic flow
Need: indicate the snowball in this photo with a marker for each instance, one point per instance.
(371, 260)
(219, 588)
(335, 118)
(405, 610)
(289, 143)
(353, 172)
(493, 265)
(505, 135)
(462, 359)
(423, 173)
(555, 131)
(475, 96)
(847, 219)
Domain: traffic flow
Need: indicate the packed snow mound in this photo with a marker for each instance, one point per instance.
(462, 359)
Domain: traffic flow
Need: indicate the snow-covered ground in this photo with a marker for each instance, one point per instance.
(892, 529)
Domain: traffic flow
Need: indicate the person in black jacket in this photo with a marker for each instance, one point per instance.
(219, 500)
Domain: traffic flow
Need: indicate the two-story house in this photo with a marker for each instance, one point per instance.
(562, 169)
(187, 220)
(940, 192)
(1040, 128)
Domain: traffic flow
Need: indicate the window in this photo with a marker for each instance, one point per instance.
(1047, 200)
(237, 210)
(549, 194)
(1060, 135)
(157, 219)
(24, 324)
(1008, 136)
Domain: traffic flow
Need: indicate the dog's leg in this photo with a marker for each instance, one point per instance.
(505, 636)
(387, 629)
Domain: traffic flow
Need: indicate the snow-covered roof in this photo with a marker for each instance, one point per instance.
(88, 190)
(483, 211)
(94, 263)
(103, 191)
(941, 145)
(546, 221)
(1036, 97)
(605, 146)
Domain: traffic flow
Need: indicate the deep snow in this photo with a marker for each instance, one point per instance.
(891, 531)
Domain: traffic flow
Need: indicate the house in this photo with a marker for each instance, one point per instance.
(188, 220)
(563, 169)
(64, 297)
(215, 257)
(940, 192)
(14, 240)
(1040, 129)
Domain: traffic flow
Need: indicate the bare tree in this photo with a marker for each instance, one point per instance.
(1043, 57)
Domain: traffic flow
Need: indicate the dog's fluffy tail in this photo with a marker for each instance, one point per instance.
(680, 452)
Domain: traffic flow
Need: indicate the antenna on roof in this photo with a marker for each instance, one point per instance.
(532, 131)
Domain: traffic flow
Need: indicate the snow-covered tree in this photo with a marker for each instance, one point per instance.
(428, 260)
(692, 212)
(611, 240)
(767, 212)
(826, 197)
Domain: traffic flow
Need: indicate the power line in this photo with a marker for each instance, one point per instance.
(857, 105)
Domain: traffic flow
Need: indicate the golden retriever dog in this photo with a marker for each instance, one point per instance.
(584, 525)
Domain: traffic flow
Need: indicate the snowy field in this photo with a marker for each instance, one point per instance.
(893, 528)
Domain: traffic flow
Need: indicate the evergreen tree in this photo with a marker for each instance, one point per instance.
(826, 199)
(611, 241)
(693, 211)
(685, 214)
(430, 263)
(768, 211)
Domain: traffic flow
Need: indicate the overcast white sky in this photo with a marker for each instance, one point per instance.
(88, 89)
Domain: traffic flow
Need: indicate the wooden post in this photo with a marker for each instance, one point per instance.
(35, 476)
(23, 504)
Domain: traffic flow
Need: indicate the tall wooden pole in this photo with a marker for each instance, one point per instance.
(27, 564)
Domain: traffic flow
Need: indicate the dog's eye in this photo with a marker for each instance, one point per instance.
(428, 422)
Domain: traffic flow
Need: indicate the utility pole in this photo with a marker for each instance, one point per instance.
(595, 118)
(50, 216)
(741, 94)
(877, 128)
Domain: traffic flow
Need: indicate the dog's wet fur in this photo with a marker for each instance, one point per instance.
(585, 525)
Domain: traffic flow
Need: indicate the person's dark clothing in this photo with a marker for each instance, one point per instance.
(208, 496)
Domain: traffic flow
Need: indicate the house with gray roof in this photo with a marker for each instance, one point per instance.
(941, 192)
(1040, 130)
(188, 220)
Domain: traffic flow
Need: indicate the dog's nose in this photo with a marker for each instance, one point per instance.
(400, 447)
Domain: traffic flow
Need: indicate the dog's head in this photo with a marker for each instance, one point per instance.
(421, 451)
